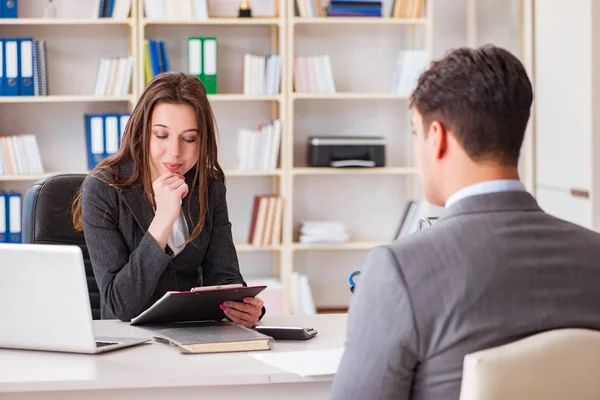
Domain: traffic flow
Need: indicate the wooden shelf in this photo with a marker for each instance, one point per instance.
(355, 171)
(216, 21)
(358, 21)
(232, 173)
(250, 248)
(338, 247)
(64, 21)
(243, 97)
(63, 99)
(349, 96)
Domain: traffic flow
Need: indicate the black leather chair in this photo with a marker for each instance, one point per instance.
(47, 220)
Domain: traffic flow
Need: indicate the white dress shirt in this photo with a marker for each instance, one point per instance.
(498, 185)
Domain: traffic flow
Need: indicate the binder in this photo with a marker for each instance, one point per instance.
(154, 57)
(209, 50)
(2, 66)
(10, 8)
(122, 125)
(3, 219)
(147, 63)
(111, 8)
(13, 201)
(26, 71)
(11, 71)
(164, 57)
(111, 131)
(95, 139)
(195, 64)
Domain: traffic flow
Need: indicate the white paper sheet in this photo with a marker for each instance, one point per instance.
(304, 363)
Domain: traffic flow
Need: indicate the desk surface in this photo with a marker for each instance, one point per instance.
(158, 365)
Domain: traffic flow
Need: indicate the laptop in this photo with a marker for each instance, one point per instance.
(44, 301)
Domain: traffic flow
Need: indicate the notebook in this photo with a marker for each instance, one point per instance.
(211, 337)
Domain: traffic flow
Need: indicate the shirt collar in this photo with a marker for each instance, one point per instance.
(492, 186)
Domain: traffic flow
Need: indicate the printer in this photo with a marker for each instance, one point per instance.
(346, 151)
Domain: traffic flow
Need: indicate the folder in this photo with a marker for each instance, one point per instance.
(26, 72)
(10, 8)
(122, 125)
(195, 64)
(111, 8)
(11, 70)
(2, 66)
(147, 63)
(14, 217)
(3, 219)
(111, 134)
(95, 139)
(164, 56)
(154, 57)
(209, 51)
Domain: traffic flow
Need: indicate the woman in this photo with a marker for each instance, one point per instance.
(154, 215)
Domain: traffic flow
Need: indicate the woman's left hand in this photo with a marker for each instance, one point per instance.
(246, 313)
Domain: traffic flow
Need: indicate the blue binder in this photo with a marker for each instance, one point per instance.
(3, 218)
(95, 138)
(14, 215)
(12, 58)
(10, 8)
(26, 66)
(154, 57)
(111, 7)
(164, 56)
(2, 66)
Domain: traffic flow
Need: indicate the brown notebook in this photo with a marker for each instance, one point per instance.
(211, 337)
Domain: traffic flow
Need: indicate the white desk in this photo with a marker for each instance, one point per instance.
(159, 371)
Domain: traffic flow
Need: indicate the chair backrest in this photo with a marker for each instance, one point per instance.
(557, 364)
(47, 220)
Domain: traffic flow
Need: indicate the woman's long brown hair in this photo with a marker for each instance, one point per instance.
(172, 88)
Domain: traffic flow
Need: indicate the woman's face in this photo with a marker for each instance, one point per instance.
(174, 139)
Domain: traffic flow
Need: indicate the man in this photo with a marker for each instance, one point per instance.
(493, 269)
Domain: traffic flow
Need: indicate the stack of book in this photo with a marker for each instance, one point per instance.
(265, 224)
(354, 8)
(118, 9)
(410, 64)
(315, 232)
(20, 155)
(176, 9)
(259, 150)
(407, 8)
(262, 75)
(114, 76)
(313, 74)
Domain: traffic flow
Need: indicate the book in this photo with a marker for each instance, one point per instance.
(212, 337)
(193, 306)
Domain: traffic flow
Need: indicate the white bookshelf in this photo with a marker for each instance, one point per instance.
(358, 107)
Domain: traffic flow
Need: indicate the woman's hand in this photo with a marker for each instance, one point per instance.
(246, 313)
(169, 189)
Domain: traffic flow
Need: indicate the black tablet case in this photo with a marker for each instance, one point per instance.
(193, 306)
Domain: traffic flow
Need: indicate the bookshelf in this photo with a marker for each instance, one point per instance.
(309, 193)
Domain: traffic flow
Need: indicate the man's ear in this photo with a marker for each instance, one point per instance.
(439, 139)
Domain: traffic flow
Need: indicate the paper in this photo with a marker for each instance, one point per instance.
(304, 363)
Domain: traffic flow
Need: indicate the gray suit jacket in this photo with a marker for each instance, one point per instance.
(131, 270)
(495, 268)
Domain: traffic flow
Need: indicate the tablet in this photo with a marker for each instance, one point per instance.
(193, 305)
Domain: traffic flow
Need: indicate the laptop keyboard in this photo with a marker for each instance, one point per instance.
(102, 344)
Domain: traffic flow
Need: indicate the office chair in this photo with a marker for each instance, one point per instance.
(553, 365)
(47, 220)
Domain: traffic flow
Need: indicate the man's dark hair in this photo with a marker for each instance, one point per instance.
(483, 96)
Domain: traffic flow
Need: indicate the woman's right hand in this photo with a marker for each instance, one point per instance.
(169, 189)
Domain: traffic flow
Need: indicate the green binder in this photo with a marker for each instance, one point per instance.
(209, 51)
(195, 59)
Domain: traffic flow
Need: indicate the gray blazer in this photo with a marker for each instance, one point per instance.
(495, 268)
(131, 270)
